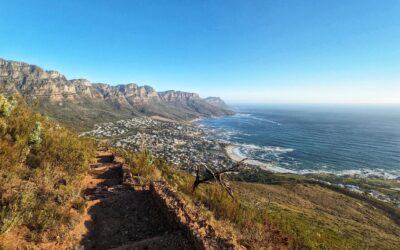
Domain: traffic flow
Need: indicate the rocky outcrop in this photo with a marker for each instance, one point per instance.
(30, 80)
(173, 96)
(83, 100)
(126, 95)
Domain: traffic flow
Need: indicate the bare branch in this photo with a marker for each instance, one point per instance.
(211, 175)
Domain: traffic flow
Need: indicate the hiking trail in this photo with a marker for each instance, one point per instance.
(120, 217)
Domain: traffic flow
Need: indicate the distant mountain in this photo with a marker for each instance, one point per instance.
(217, 102)
(80, 103)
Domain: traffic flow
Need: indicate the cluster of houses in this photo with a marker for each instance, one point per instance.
(184, 145)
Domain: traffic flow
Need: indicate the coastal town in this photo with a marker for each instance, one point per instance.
(188, 146)
(185, 145)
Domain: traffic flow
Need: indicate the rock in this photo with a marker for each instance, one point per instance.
(172, 95)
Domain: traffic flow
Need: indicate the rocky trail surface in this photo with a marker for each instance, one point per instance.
(120, 217)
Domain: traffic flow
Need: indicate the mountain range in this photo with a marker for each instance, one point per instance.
(80, 103)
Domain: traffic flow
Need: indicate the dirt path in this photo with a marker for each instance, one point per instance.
(119, 217)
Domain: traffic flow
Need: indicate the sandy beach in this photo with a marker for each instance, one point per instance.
(232, 151)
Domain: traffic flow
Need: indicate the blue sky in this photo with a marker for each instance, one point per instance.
(244, 51)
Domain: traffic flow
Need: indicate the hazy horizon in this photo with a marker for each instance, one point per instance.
(244, 52)
(305, 104)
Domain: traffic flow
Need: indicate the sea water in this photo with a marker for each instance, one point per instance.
(341, 139)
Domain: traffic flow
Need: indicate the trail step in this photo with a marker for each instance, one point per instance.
(121, 217)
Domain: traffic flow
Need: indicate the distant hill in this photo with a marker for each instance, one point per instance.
(80, 103)
(217, 101)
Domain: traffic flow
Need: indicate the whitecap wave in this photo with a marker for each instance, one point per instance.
(266, 154)
(251, 116)
(366, 172)
(272, 155)
(265, 120)
(239, 153)
(242, 115)
(267, 149)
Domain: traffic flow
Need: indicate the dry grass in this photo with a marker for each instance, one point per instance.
(312, 216)
(41, 169)
(319, 218)
(251, 224)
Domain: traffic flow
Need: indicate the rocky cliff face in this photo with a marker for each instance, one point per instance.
(82, 100)
(126, 95)
(32, 81)
(172, 96)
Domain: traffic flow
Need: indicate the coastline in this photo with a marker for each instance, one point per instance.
(231, 151)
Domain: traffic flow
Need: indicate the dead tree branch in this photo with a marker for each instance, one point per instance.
(218, 177)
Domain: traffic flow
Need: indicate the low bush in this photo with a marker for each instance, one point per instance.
(41, 169)
(142, 164)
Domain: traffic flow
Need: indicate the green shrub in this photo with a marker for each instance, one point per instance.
(34, 137)
(10, 216)
(142, 164)
(6, 105)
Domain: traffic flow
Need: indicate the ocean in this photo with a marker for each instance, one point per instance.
(361, 140)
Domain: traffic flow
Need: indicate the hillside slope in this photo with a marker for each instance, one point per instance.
(289, 212)
(80, 104)
(54, 195)
(41, 170)
(316, 217)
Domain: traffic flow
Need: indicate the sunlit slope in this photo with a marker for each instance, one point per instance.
(41, 169)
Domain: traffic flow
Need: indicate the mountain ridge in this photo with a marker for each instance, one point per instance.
(81, 100)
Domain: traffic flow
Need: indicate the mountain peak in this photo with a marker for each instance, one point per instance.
(217, 101)
(82, 100)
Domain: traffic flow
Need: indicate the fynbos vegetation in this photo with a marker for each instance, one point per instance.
(41, 169)
(248, 222)
(292, 212)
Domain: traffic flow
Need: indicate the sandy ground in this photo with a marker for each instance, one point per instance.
(231, 152)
